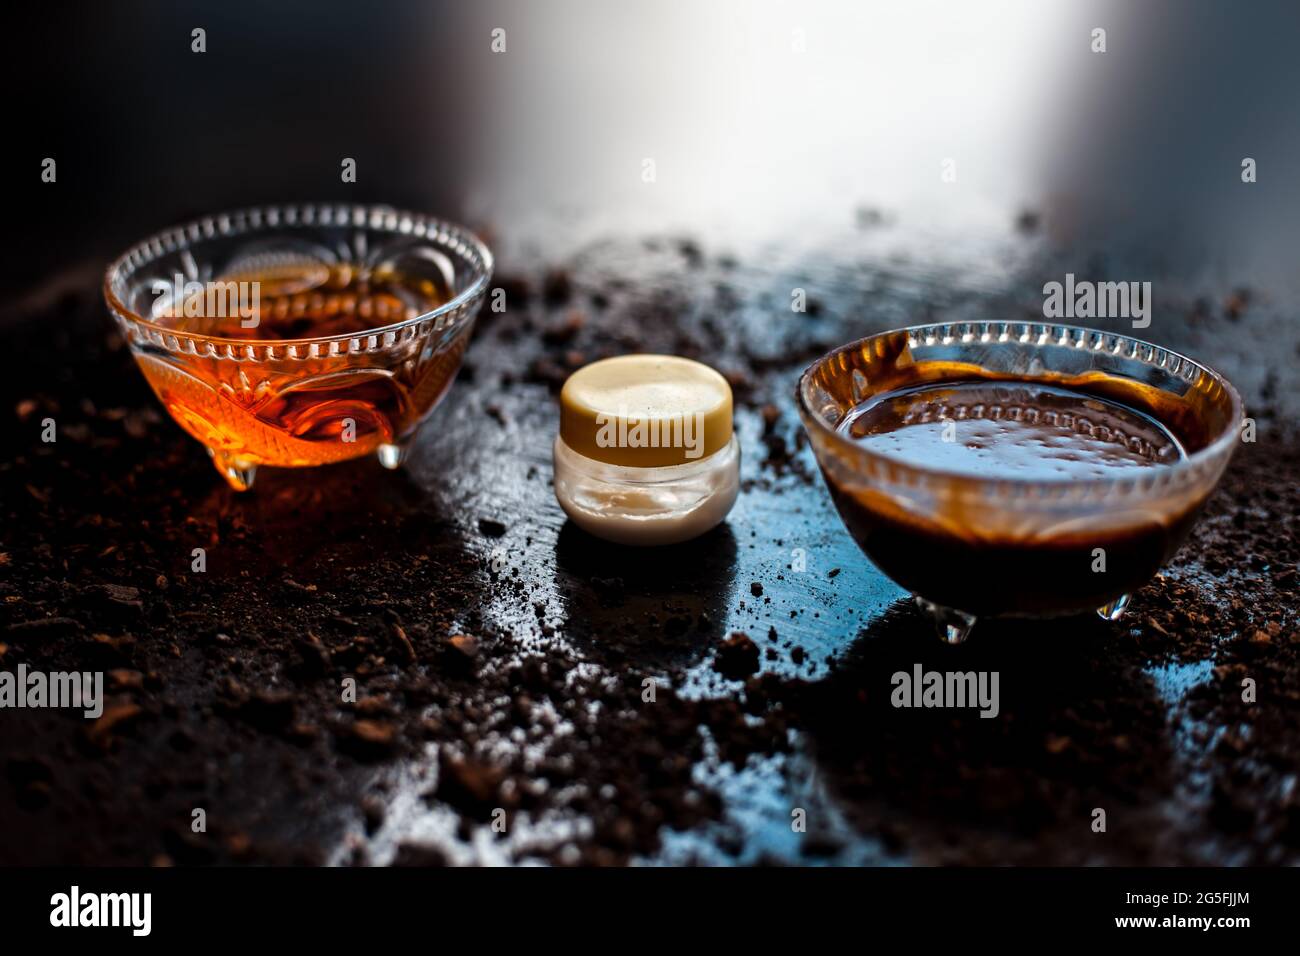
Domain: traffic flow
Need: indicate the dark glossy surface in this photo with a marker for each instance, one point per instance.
(226, 683)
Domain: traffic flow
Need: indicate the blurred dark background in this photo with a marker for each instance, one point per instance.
(772, 115)
(147, 133)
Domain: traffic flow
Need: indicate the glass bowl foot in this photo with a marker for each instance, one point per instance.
(237, 474)
(391, 456)
(1115, 609)
(953, 626)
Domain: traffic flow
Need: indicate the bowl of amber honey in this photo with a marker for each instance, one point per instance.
(1014, 469)
(300, 335)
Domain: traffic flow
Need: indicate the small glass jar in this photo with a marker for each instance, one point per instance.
(646, 454)
(643, 506)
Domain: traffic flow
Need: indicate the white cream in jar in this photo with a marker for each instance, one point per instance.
(646, 453)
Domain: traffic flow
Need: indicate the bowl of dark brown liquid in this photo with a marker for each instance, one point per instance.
(1006, 469)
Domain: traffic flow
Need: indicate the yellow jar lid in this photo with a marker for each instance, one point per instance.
(646, 411)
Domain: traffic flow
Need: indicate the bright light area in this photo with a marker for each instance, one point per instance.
(771, 112)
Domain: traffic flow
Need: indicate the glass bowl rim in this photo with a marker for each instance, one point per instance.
(1077, 336)
(363, 215)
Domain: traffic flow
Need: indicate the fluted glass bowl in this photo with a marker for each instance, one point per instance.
(969, 547)
(300, 335)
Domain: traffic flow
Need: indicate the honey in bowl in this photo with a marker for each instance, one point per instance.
(318, 409)
(1013, 469)
(301, 335)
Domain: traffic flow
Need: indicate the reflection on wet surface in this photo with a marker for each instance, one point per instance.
(350, 570)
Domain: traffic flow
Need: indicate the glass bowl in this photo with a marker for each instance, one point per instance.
(968, 546)
(299, 335)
